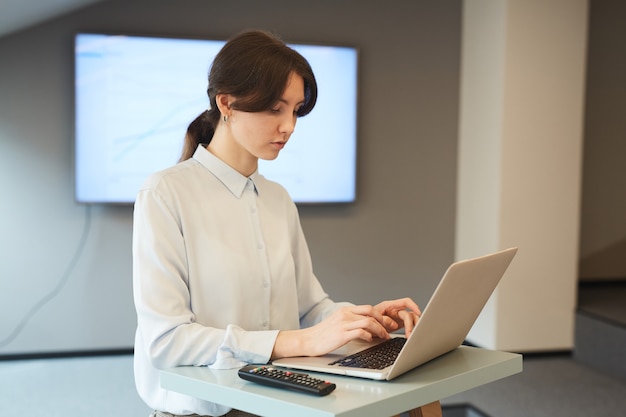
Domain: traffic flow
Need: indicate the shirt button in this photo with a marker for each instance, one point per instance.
(266, 284)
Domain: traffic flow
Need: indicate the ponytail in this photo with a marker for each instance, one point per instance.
(199, 131)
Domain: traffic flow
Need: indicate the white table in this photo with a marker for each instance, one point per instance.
(462, 369)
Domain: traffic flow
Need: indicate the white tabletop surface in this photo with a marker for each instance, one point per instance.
(462, 369)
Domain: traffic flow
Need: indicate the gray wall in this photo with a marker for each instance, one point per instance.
(65, 272)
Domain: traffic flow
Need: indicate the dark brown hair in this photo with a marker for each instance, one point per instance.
(253, 67)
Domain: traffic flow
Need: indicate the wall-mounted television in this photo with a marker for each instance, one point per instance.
(136, 95)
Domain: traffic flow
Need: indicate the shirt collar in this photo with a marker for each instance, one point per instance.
(227, 175)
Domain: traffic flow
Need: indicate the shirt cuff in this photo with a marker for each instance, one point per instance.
(241, 347)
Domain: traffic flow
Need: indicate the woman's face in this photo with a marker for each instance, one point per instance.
(262, 135)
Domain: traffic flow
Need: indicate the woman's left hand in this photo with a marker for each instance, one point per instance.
(399, 313)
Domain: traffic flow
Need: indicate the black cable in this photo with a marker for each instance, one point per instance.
(57, 289)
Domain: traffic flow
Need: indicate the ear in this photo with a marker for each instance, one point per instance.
(223, 104)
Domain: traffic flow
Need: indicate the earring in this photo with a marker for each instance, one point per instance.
(225, 118)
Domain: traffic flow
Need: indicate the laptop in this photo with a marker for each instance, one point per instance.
(443, 326)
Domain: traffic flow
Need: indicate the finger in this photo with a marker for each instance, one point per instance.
(409, 319)
(368, 311)
(371, 326)
(360, 334)
(394, 306)
(390, 323)
(409, 304)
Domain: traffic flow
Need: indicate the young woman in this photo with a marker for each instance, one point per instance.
(222, 273)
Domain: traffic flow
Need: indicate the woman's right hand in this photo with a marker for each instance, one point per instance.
(362, 322)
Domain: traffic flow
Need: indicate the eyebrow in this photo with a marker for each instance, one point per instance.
(282, 100)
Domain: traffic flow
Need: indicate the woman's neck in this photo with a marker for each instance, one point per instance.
(228, 150)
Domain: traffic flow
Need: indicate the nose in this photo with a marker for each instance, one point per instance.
(288, 124)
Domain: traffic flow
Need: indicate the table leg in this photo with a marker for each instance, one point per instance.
(429, 410)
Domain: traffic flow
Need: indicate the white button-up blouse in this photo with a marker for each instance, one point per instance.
(220, 264)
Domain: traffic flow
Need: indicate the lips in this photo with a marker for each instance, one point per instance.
(278, 145)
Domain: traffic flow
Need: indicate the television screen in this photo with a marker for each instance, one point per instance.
(136, 95)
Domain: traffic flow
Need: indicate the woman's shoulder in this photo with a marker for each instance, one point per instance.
(175, 173)
(273, 187)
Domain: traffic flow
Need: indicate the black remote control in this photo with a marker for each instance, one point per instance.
(274, 377)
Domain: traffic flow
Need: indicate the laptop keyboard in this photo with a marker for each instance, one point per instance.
(376, 357)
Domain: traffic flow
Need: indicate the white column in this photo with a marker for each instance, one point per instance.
(519, 163)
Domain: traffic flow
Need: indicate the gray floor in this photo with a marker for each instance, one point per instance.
(103, 387)
(72, 387)
(605, 300)
(550, 387)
